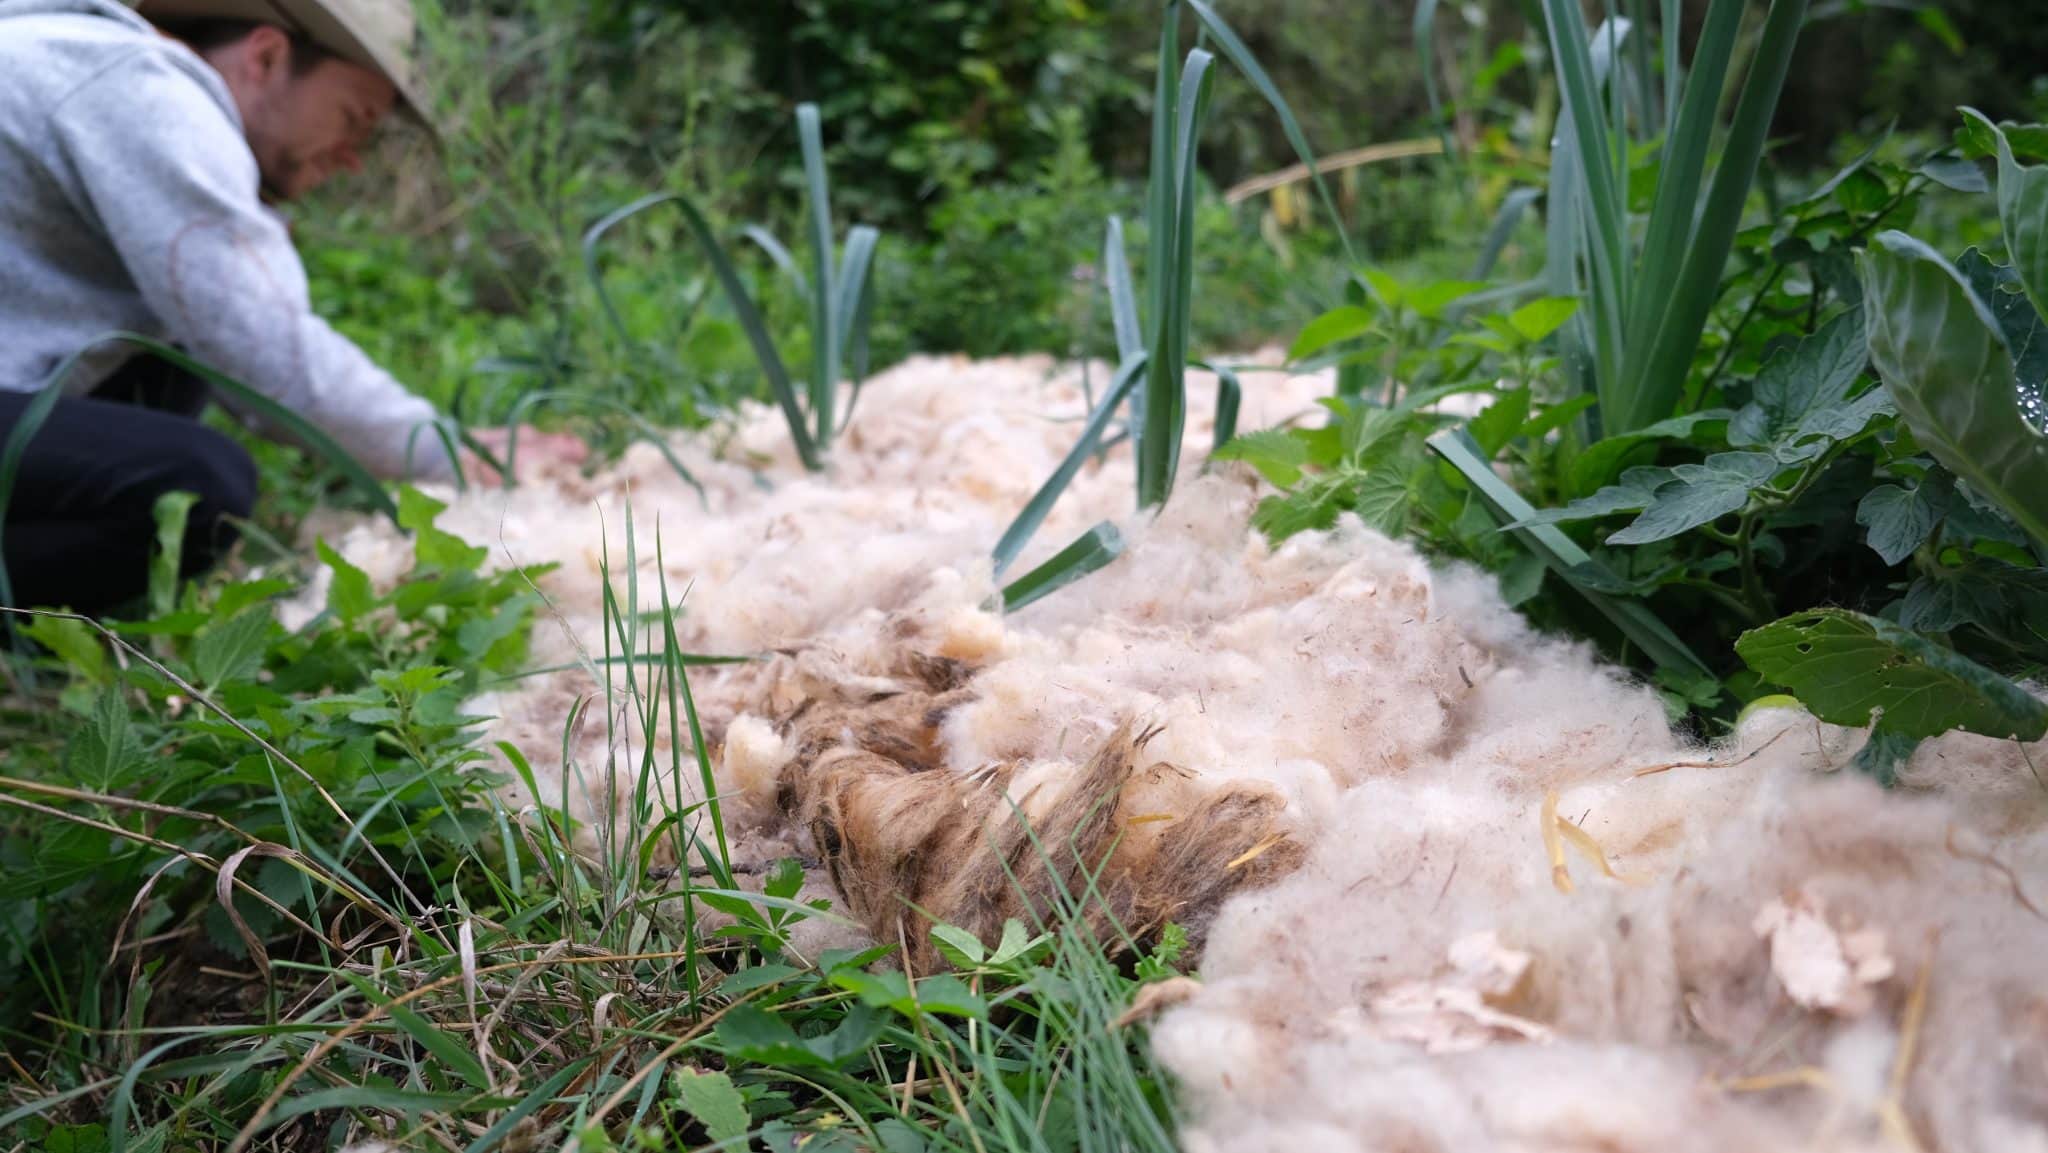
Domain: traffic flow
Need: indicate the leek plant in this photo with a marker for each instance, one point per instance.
(1152, 350)
(1646, 292)
(838, 291)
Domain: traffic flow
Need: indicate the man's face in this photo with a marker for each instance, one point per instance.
(305, 126)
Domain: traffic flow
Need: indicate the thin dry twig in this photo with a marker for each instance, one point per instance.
(1743, 759)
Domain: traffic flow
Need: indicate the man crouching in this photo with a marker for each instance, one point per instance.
(138, 154)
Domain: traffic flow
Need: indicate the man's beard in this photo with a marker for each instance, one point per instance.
(279, 180)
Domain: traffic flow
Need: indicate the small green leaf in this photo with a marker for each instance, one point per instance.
(348, 592)
(899, 1137)
(1956, 173)
(1556, 416)
(1345, 322)
(757, 977)
(2025, 331)
(1542, 316)
(1949, 600)
(436, 550)
(751, 1033)
(949, 995)
(714, 1102)
(73, 642)
(233, 649)
(101, 755)
(1385, 289)
(2023, 211)
(1634, 492)
(1312, 507)
(833, 960)
(1899, 519)
(888, 989)
(76, 1139)
(1799, 392)
(1277, 453)
(1433, 298)
(1598, 464)
(1976, 138)
(785, 878)
(1845, 667)
(1015, 943)
(1701, 494)
(1380, 497)
(1500, 422)
(960, 948)
(856, 1034)
(2004, 600)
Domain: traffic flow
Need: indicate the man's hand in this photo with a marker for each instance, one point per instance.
(539, 453)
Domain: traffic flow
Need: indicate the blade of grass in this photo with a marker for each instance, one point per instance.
(1091, 551)
(276, 415)
(1041, 503)
(445, 1047)
(1563, 556)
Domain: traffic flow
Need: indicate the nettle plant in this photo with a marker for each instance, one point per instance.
(210, 727)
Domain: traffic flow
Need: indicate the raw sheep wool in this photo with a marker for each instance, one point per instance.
(1459, 885)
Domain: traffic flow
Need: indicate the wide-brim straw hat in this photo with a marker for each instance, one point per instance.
(377, 34)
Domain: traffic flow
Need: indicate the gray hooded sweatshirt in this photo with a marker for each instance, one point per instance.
(129, 200)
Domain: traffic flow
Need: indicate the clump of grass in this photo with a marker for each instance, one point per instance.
(396, 955)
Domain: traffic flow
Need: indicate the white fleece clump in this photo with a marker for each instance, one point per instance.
(1423, 982)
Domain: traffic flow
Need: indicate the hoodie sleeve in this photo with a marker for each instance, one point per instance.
(163, 168)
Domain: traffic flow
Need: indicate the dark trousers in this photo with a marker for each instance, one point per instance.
(81, 524)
